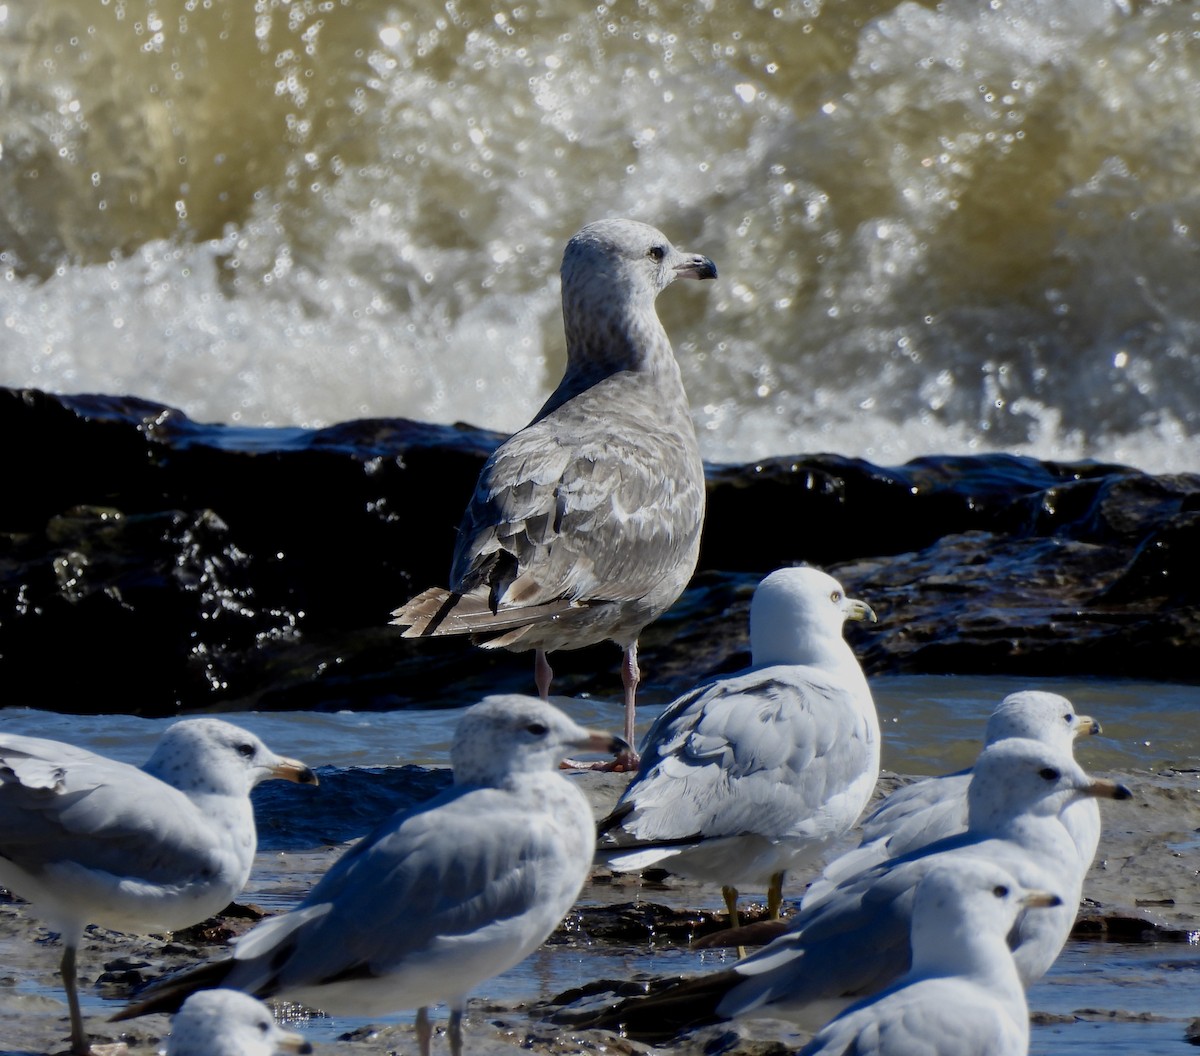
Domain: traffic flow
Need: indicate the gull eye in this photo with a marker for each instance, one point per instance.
(1049, 773)
(1068, 719)
(264, 1026)
(1000, 891)
(246, 750)
(656, 253)
(836, 597)
(537, 729)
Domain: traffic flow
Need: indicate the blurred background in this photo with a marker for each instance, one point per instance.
(941, 227)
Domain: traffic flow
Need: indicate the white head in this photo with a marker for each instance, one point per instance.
(796, 617)
(1039, 716)
(211, 756)
(229, 1023)
(612, 271)
(963, 909)
(510, 734)
(1018, 778)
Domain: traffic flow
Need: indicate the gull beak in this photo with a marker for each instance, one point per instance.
(605, 743)
(293, 770)
(1041, 900)
(1102, 788)
(1086, 725)
(859, 610)
(291, 1042)
(694, 266)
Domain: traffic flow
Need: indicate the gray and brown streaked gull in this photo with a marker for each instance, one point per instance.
(229, 1023)
(438, 898)
(925, 811)
(962, 994)
(856, 941)
(585, 525)
(754, 773)
(89, 840)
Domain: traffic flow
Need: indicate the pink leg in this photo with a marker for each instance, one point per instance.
(542, 675)
(631, 675)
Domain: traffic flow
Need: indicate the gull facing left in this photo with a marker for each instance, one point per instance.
(438, 898)
(89, 840)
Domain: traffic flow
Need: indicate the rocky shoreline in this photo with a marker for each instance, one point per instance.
(1142, 888)
(205, 566)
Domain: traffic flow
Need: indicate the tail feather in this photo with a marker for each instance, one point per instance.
(166, 995)
(439, 611)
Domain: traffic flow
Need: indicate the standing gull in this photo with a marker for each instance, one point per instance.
(229, 1023)
(585, 526)
(962, 996)
(856, 941)
(89, 840)
(438, 898)
(925, 811)
(747, 776)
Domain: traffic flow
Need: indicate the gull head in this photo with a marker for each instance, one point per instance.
(797, 615)
(1039, 716)
(211, 756)
(612, 271)
(1018, 777)
(229, 1023)
(509, 734)
(962, 901)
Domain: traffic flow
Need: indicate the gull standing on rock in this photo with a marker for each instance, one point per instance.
(962, 996)
(89, 840)
(585, 525)
(438, 898)
(229, 1023)
(749, 775)
(917, 815)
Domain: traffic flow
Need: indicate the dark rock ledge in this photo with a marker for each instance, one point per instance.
(159, 564)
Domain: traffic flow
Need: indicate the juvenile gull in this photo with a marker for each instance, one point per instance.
(89, 840)
(229, 1023)
(918, 814)
(585, 525)
(749, 775)
(962, 995)
(856, 941)
(438, 898)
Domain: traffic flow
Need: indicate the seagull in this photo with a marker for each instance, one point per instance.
(962, 994)
(229, 1023)
(89, 840)
(439, 898)
(856, 941)
(918, 814)
(753, 773)
(585, 525)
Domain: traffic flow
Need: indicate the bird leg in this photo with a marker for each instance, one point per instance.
(66, 968)
(542, 674)
(730, 895)
(631, 675)
(775, 896)
(454, 1030)
(424, 1031)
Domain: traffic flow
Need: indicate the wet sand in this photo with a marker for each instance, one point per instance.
(1143, 887)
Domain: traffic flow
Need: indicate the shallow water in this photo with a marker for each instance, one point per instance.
(931, 724)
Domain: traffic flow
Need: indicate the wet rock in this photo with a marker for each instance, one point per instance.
(188, 565)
